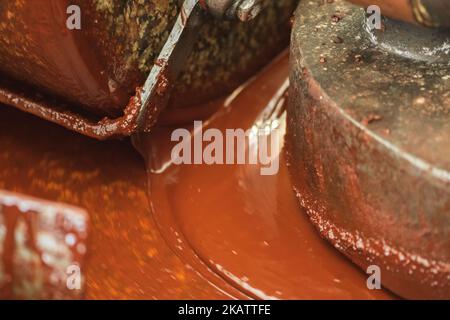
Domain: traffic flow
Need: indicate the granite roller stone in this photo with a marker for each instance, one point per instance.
(95, 71)
(369, 142)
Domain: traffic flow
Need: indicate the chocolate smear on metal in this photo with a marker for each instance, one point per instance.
(369, 143)
(177, 232)
(241, 231)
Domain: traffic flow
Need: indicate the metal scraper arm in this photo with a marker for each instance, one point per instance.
(172, 59)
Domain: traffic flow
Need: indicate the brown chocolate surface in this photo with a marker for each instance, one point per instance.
(95, 70)
(42, 248)
(126, 257)
(188, 231)
(37, 49)
(429, 13)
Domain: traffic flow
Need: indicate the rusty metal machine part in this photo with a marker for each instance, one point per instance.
(432, 13)
(395, 9)
(157, 89)
(435, 48)
(369, 142)
(429, 13)
(128, 258)
(244, 10)
(94, 72)
(42, 244)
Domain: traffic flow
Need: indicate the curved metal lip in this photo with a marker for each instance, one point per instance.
(144, 107)
(54, 111)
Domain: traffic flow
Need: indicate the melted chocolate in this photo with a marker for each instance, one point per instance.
(182, 231)
(39, 241)
(242, 231)
(92, 73)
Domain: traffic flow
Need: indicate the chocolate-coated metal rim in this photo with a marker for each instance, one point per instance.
(369, 143)
(55, 112)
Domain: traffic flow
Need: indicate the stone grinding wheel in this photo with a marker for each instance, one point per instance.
(94, 71)
(368, 142)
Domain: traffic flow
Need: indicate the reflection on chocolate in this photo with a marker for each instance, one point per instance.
(242, 235)
(243, 231)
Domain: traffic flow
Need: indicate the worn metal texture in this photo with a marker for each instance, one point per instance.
(411, 41)
(369, 145)
(96, 70)
(432, 13)
(429, 13)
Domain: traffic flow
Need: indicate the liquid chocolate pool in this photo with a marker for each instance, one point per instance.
(188, 231)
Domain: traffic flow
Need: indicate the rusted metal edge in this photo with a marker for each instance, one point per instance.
(43, 246)
(50, 110)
